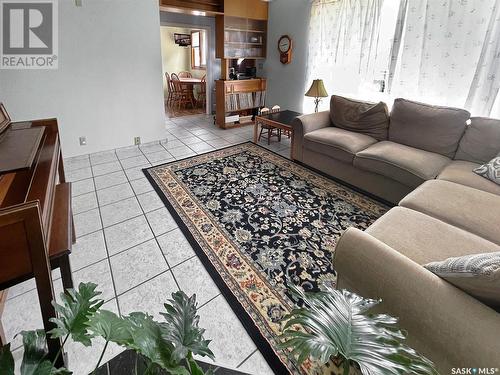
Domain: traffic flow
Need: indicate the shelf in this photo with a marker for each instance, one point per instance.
(228, 125)
(245, 43)
(242, 109)
(239, 37)
(245, 30)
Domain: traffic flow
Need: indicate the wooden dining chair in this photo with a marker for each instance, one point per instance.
(269, 131)
(288, 133)
(202, 94)
(185, 74)
(170, 91)
(182, 94)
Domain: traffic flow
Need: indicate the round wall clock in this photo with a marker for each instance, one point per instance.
(285, 48)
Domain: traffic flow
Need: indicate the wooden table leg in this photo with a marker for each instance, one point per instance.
(66, 276)
(255, 131)
(43, 279)
(45, 290)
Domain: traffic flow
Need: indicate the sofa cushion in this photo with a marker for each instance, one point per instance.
(467, 208)
(425, 239)
(337, 143)
(407, 165)
(481, 141)
(477, 275)
(490, 170)
(427, 127)
(362, 117)
(462, 172)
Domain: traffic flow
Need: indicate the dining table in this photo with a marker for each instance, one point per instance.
(190, 83)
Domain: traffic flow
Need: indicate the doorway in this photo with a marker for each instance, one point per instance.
(185, 62)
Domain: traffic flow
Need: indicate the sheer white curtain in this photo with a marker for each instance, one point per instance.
(449, 53)
(343, 45)
(484, 94)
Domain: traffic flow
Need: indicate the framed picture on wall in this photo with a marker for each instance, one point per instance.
(183, 40)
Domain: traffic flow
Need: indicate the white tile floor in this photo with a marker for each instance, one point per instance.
(128, 243)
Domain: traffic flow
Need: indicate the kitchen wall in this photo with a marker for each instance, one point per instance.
(175, 58)
(286, 83)
(109, 83)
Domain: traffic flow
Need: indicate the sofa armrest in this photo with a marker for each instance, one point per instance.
(445, 324)
(305, 124)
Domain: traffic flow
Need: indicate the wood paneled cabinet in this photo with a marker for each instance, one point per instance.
(239, 98)
(253, 9)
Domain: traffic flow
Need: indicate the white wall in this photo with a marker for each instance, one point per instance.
(109, 83)
(286, 83)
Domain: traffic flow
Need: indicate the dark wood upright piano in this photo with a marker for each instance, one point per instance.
(36, 223)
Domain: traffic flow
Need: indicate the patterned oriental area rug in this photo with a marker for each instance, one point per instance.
(256, 220)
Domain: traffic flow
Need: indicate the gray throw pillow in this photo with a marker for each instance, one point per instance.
(477, 275)
(490, 170)
(359, 116)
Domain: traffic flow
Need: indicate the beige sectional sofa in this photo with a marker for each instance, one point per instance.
(423, 162)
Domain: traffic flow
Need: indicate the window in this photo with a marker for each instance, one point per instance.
(350, 45)
(443, 53)
(198, 49)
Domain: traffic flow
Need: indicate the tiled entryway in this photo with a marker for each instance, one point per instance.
(129, 244)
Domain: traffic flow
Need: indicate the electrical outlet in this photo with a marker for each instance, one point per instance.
(137, 141)
(83, 141)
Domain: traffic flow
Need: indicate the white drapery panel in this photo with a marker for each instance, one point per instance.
(449, 54)
(442, 52)
(484, 94)
(343, 41)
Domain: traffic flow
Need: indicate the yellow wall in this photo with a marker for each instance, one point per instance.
(176, 58)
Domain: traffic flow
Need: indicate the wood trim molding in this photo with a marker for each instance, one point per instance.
(188, 6)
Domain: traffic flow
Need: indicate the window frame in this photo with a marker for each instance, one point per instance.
(199, 49)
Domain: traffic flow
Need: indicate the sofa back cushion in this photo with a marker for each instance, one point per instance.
(427, 127)
(481, 141)
(361, 117)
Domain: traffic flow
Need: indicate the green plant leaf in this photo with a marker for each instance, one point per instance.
(74, 313)
(194, 368)
(6, 360)
(146, 338)
(34, 358)
(335, 323)
(182, 327)
(110, 327)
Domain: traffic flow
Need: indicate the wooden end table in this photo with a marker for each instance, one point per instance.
(280, 120)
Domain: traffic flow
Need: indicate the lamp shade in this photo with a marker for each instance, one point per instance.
(317, 89)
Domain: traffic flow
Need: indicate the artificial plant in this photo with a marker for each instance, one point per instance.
(335, 324)
(168, 345)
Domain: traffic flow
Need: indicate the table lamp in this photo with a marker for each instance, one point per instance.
(317, 91)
